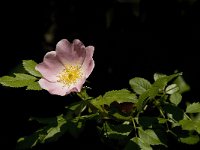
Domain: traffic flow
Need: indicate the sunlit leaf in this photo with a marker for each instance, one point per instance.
(119, 96)
(149, 136)
(192, 139)
(51, 132)
(171, 89)
(120, 131)
(156, 88)
(29, 66)
(190, 125)
(156, 76)
(142, 143)
(83, 94)
(193, 108)
(175, 98)
(34, 86)
(20, 80)
(134, 145)
(139, 85)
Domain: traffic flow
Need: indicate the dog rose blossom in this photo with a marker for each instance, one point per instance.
(66, 69)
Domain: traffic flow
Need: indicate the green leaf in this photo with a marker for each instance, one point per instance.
(28, 142)
(142, 143)
(144, 97)
(190, 125)
(175, 98)
(121, 117)
(51, 132)
(139, 85)
(156, 76)
(20, 80)
(120, 131)
(55, 127)
(74, 106)
(171, 89)
(183, 86)
(149, 136)
(48, 133)
(192, 139)
(75, 126)
(29, 66)
(160, 84)
(83, 94)
(156, 88)
(133, 146)
(119, 96)
(34, 86)
(89, 117)
(193, 108)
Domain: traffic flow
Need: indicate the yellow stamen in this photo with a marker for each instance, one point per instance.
(70, 75)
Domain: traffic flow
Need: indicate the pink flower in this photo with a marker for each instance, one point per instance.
(66, 69)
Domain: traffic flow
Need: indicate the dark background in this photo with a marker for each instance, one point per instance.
(131, 38)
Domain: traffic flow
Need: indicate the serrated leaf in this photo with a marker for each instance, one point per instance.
(193, 108)
(142, 143)
(171, 89)
(20, 80)
(139, 85)
(160, 84)
(190, 125)
(175, 98)
(23, 76)
(133, 146)
(54, 130)
(120, 131)
(29, 66)
(119, 96)
(155, 89)
(149, 136)
(192, 139)
(34, 86)
(47, 133)
(156, 76)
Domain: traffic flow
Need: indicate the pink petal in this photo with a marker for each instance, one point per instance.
(70, 53)
(55, 88)
(50, 67)
(79, 84)
(88, 64)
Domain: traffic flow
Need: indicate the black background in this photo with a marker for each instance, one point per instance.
(131, 38)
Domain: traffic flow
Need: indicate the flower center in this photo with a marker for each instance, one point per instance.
(70, 75)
